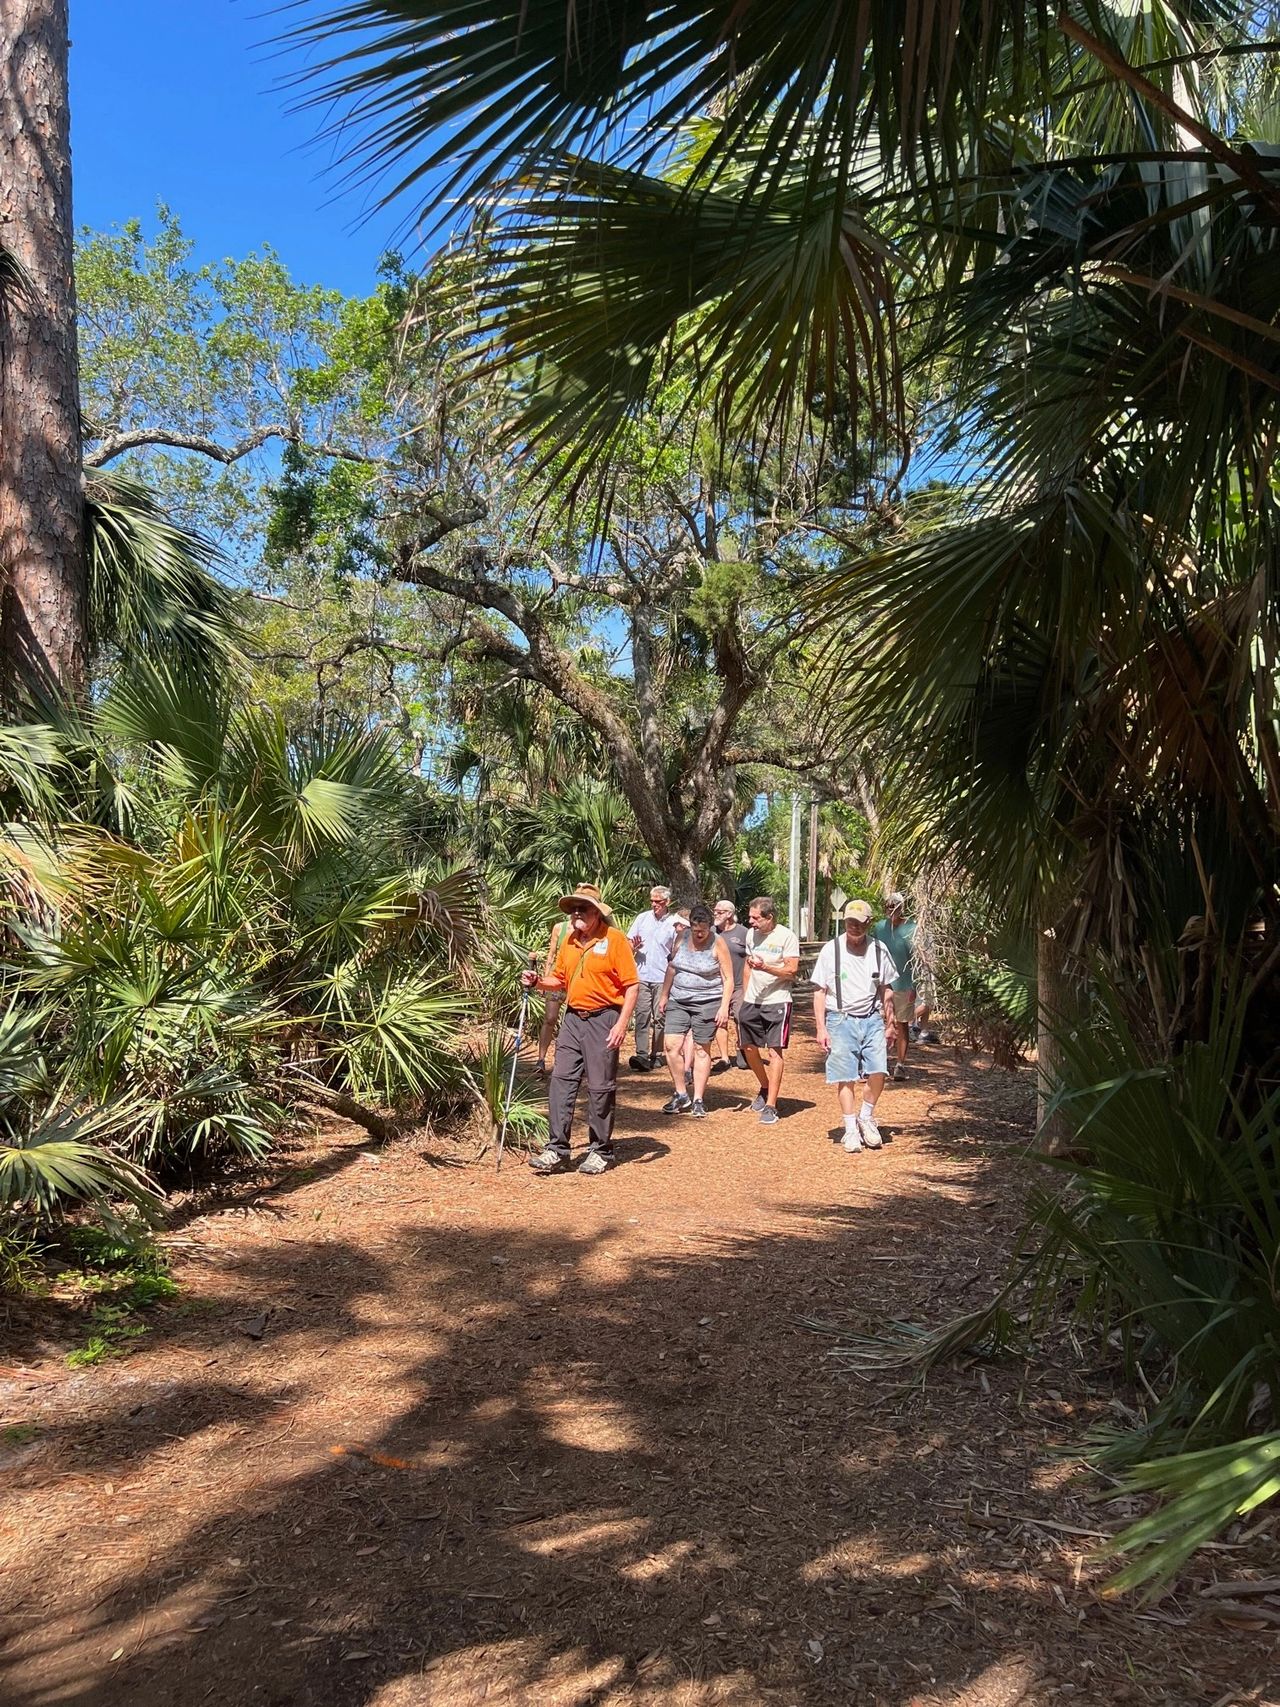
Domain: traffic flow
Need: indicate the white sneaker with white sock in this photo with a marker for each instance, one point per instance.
(852, 1140)
(870, 1131)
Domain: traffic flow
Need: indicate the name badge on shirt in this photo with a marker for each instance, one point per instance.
(602, 947)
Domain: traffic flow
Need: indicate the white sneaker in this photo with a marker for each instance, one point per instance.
(870, 1131)
(852, 1140)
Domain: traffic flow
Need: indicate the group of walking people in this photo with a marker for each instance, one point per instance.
(683, 978)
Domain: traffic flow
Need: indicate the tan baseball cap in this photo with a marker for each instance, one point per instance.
(860, 910)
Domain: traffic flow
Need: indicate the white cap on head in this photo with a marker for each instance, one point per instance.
(896, 899)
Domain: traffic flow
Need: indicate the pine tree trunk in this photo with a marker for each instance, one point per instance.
(43, 605)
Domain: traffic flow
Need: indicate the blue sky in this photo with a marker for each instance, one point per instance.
(177, 101)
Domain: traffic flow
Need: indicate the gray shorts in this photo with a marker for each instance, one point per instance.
(699, 1019)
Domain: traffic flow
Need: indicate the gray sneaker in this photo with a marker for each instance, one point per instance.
(758, 1104)
(679, 1104)
(768, 1116)
(595, 1163)
(871, 1136)
(697, 1109)
(548, 1162)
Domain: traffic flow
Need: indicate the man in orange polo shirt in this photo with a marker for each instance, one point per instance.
(596, 971)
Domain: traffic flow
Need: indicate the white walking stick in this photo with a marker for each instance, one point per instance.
(515, 1057)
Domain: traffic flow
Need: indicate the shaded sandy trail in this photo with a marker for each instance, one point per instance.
(591, 1456)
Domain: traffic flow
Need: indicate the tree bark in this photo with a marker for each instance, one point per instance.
(1057, 1007)
(43, 562)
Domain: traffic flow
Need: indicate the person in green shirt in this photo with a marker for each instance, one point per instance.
(898, 934)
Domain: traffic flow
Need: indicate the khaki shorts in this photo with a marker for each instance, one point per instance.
(904, 1006)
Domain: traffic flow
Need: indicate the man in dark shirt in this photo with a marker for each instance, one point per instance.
(735, 940)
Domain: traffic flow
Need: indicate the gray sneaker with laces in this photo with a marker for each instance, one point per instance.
(679, 1104)
(595, 1163)
(697, 1109)
(758, 1104)
(548, 1162)
(768, 1116)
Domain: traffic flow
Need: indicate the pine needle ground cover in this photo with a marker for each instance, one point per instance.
(436, 1433)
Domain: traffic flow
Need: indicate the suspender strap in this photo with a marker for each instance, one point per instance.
(877, 978)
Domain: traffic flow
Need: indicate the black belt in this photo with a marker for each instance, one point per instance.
(586, 1013)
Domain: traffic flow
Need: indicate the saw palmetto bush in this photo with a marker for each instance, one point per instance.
(1170, 1223)
(213, 918)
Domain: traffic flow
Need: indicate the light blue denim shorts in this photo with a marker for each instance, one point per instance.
(857, 1047)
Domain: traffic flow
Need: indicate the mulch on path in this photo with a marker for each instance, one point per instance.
(417, 1436)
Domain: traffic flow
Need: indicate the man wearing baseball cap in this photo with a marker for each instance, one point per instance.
(854, 1019)
(898, 934)
(596, 971)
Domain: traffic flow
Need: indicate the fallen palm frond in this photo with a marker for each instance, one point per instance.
(907, 1347)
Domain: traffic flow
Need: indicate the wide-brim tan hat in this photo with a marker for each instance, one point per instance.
(591, 895)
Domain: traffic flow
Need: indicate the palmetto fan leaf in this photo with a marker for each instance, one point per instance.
(63, 1156)
(1127, 335)
(610, 278)
(561, 114)
(152, 586)
(476, 88)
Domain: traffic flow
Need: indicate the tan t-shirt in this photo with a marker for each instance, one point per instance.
(765, 986)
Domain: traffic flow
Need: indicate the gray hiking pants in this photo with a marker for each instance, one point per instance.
(648, 1021)
(582, 1052)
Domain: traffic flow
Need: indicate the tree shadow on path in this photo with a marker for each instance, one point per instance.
(561, 1460)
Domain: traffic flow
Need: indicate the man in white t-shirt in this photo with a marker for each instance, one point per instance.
(764, 1021)
(653, 935)
(853, 1014)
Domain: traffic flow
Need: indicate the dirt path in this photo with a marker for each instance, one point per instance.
(418, 1437)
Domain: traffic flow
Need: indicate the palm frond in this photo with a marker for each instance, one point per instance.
(475, 89)
(153, 590)
(61, 1158)
(1204, 1492)
(609, 281)
(31, 755)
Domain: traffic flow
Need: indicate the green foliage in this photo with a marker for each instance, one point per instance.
(121, 1247)
(152, 586)
(525, 1117)
(20, 1253)
(984, 973)
(270, 921)
(1203, 1493)
(127, 1274)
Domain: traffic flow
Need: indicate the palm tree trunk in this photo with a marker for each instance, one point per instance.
(1056, 1007)
(43, 573)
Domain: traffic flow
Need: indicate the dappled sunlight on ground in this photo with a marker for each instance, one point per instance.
(439, 1436)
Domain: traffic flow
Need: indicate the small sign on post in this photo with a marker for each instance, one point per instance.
(838, 899)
